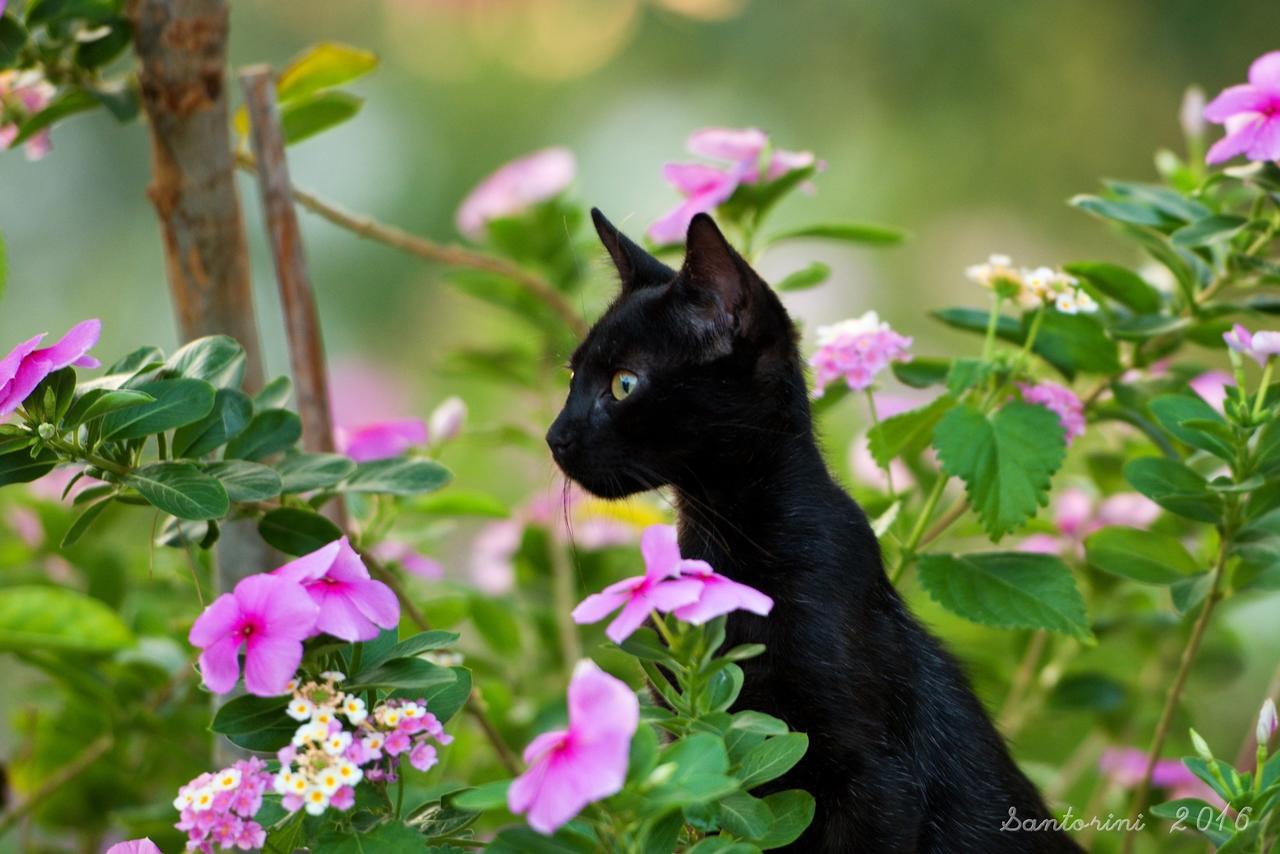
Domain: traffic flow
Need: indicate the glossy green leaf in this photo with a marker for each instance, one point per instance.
(1174, 487)
(1118, 283)
(246, 481)
(1140, 555)
(1074, 343)
(1116, 210)
(274, 395)
(100, 402)
(232, 411)
(772, 758)
(20, 467)
(306, 472)
(922, 371)
(1210, 230)
(415, 646)
(177, 402)
(486, 796)
(410, 674)
(792, 811)
(805, 278)
(180, 489)
(65, 104)
(304, 118)
(247, 714)
(217, 359)
(744, 815)
(1009, 590)
(323, 66)
(1193, 421)
(270, 432)
(447, 699)
(83, 522)
(848, 232)
(58, 619)
(13, 37)
(297, 532)
(397, 476)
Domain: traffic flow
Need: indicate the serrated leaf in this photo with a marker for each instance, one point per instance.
(1140, 555)
(1010, 590)
(908, 433)
(176, 403)
(1006, 461)
(180, 489)
(232, 411)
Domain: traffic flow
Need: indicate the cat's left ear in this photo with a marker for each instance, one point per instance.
(724, 284)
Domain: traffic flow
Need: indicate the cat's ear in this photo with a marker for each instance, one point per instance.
(636, 267)
(718, 276)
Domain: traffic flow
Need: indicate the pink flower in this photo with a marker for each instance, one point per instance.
(446, 420)
(382, 439)
(573, 767)
(707, 187)
(26, 523)
(1060, 400)
(411, 561)
(423, 756)
(1212, 386)
(343, 799)
(352, 606)
(661, 588)
(1125, 766)
(1259, 346)
(267, 615)
(398, 742)
(1251, 114)
(133, 846)
(1267, 722)
(25, 366)
(1076, 516)
(515, 187)
(720, 595)
(220, 807)
(25, 95)
(856, 350)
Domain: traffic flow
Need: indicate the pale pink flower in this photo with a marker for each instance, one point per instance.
(423, 756)
(1212, 387)
(270, 617)
(661, 588)
(856, 350)
(515, 187)
(1125, 767)
(381, 440)
(1267, 721)
(363, 392)
(1130, 509)
(25, 94)
(1251, 114)
(1060, 400)
(133, 846)
(573, 767)
(352, 606)
(409, 559)
(446, 420)
(1259, 346)
(343, 799)
(220, 807)
(1076, 515)
(26, 365)
(719, 596)
(26, 523)
(493, 552)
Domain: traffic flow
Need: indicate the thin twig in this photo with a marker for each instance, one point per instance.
(944, 522)
(447, 254)
(1009, 717)
(55, 781)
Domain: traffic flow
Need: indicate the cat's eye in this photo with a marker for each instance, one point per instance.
(624, 382)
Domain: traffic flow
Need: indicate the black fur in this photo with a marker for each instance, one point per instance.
(902, 755)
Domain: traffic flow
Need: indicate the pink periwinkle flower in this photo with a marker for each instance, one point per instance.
(132, 846)
(1212, 387)
(270, 617)
(1060, 400)
(219, 808)
(351, 605)
(27, 364)
(1251, 114)
(661, 588)
(412, 561)
(382, 439)
(706, 187)
(1125, 767)
(26, 94)
(1259, 346)
(856, 350)
(573, 767)
(719, 596)
(515, 187)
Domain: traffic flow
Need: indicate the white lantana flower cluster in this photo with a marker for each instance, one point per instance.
(1032, 288)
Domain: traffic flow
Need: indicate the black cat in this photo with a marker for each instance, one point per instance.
(694, 380)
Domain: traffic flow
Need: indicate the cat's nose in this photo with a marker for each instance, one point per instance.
(560, 439)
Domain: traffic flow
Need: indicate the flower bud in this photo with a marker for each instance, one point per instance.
(1191, 115)
(1266, 722)
(1201, 746)
(446, 420)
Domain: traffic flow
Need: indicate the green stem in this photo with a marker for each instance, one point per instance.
(1032, 333)
(1262, 389)
(875, 422)
(993, 321)
(917, 532)
(660, 623)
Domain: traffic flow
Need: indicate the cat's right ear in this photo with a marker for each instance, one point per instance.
(636, 267)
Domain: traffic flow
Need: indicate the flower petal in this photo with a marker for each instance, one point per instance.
(269, 664)
(543, 743)
(73, 345)
(220, 664)
(672, 594)
(661, 550)
(376, 602)
(732, 144)
(220, 619)
(1236, 142)
(30, 373)
(1265, 71)
(1237, 99)
(514, 187)
(633, 615)
(385, 439)
(600, 704)
(1266, 141)
(311, 566)
(597, 606)
(9, 364)
(339, 615)
(283, 608)
(693, 178)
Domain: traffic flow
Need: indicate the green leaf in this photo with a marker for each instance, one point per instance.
(792, 812)
(247, 714)
(83, 522)
(245, 481)
(232, 411)
(20, 467)
(177, 402)
(922, 371)
(975, 320)
(758, 722)
(63, 105)
(38, 617)
(964, 374)
(1140, 555)
(1006, 461)
(1092, 692)
(1074, 343)
(446, 700)
(723, 688)
(274, 395)
(1266, 454)
(99, 402)
(908, 433)
(390, 837)
(415, 646)
(1010, 590)
(1118, 283)
(772, 758)
(304, 118)
(304, 472)
(849, 232)
(496, 624)
(1181, 415)
(410, 674)
(270, 432)
(1174, 487)
(1132, 213)
(457, 502)
(744, 815)
(805, 278)
(397, 476)
(107, 46)
(323, 66)
(1208, 231)
(297, 532)
(13, 37)
(486, 796)
(217, 359)
(180, 489)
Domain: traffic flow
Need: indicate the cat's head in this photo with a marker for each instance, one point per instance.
(687, 370)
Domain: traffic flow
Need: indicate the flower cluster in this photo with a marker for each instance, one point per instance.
(671, 584)
(515, 187)
(856, 350)
(27, 364)
(1032, 288)
(706, 187)
(1076, 515)
(219, 808)
(1062, 401)
(328, 591)
(1251, 114)
(325, 761)
(23, 94)
(1259, 346)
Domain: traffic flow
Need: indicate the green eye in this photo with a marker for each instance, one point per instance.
(624, 382)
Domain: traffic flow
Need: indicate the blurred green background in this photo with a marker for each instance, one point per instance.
(967, 124)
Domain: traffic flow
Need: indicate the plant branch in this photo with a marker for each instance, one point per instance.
(447, 254)
(1008, 719)
(55, 781)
